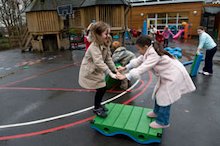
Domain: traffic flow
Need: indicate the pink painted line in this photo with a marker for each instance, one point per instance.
(142, 91)
(66, 89)
(74, 123)
(37, 75)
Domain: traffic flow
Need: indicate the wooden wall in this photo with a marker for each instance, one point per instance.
(136, 20)
(76, 20)
(45, 21)
(113, 15)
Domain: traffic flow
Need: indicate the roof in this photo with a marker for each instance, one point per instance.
(48, 5)
(88, 3)
(158, 2)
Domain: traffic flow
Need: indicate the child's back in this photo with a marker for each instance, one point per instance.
(123, 56)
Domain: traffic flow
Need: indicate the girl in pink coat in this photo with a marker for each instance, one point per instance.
(173, 79)
(166, 34)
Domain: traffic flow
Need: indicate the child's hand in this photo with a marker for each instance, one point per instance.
(198, 51)
(120, 76)
(121, 68)
(112, 75)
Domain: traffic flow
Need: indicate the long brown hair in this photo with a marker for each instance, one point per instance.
(96, 31)
(142, 41)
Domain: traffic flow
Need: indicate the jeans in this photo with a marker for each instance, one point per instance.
(163, 114)
(208, 60)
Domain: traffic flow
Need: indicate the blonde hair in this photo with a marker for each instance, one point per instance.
(96, 32)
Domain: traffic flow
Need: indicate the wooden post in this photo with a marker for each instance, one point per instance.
(122, 17)
(58, 41)
(97, 13)
(82, 14)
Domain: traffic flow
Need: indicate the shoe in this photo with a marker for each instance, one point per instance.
(201, 72)
(104, 108)
(151, 114)
(207, 73)
(155, 125)
(100, 112)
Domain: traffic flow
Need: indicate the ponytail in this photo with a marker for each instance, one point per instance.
(147, 40)
(160, 51)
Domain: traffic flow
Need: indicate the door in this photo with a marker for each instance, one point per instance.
(151, 21)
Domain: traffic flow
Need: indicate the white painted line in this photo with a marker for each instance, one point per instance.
(68, 114)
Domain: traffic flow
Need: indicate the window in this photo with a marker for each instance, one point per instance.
(173, 20)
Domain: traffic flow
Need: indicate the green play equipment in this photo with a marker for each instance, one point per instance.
(127, 120)
(111, 82)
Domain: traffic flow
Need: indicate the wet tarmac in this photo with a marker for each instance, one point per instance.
(40, 94)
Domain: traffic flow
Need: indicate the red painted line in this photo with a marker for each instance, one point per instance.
(142, 91)
(37, 75)
(66, 89)
(74, 123)
(46, 131)
(48, 89)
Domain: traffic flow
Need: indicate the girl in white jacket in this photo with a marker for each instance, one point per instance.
(173, 79)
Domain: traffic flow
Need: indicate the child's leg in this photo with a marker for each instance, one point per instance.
(98, 97)
(165, 43)
(163, 114)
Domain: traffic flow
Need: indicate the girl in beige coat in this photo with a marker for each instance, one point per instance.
(173, 79)
(96, 64)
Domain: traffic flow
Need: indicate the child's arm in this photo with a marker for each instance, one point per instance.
(97, 58)
(135, 62)
(171, 32)
(201, 43)
(151, 60)
(110, 62)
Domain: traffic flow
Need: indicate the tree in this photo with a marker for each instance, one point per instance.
(11, 16)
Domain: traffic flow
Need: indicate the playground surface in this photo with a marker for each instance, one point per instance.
(42, 104)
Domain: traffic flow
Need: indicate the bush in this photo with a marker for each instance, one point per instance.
(4, 43)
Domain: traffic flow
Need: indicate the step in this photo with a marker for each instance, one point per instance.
(130, 121)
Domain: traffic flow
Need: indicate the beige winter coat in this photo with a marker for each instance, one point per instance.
(96, 63)
(173, 78)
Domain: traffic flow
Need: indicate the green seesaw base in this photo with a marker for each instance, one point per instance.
(130, 121)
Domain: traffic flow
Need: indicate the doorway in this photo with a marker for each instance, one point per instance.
(50, 42)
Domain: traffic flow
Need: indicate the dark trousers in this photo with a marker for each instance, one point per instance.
(165, 43)
(208, 60)
(98, 97)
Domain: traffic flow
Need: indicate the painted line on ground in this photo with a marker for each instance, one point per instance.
(67, 89)
(37, 75)
(66, 115)
(74, 123)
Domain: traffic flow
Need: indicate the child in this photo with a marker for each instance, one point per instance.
(206, 42)
(159, 37)
(96, 64)
(153, 31)
(166, 34)
(122, 56)
(87, 37)
(173, 79)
